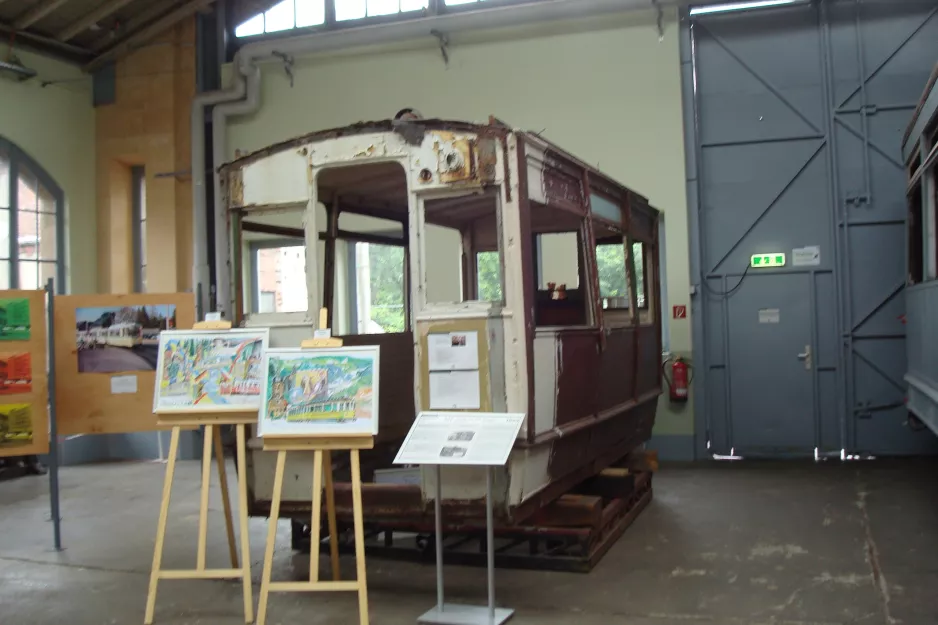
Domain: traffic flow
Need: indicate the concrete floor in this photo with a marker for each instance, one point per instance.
(729, 544)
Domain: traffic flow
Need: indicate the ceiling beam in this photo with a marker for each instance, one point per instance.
(47, 45)
(153, 11)
(37, 13)
(90, 19)
(148, 32)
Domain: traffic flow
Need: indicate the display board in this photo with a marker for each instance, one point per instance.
(24, 399)
(469, 438)
(206, 371)
(107, 350)
(320, 392)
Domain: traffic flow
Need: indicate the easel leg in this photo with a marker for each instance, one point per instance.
(359, 538)
(271, 538)
(315, 531)
(161, 526)
(243, 519)
(225, 501)
(330, 510)
(203, 504)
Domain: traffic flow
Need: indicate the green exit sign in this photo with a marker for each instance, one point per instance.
(767, 260)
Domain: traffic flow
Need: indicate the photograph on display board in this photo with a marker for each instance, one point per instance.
(16, 426)
(16, 373)
(205, 370)
(14, 319)
(114, 339)
(320, 392)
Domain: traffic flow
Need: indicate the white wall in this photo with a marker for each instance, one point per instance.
(54, 124)
(606, 90)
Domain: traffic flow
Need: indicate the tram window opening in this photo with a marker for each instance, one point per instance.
(562, 296)
(461, 257)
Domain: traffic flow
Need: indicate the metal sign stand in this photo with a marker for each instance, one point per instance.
(53, 423)
(454, 614)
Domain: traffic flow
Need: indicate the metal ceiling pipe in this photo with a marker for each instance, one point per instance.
(246, 106)
(201, 271)
(246, 91)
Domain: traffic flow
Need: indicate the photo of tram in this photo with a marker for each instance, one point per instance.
(110, 340)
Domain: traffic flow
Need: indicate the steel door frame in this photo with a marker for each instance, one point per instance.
(847, 332)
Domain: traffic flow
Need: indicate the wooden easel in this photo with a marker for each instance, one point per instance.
(323, 447)
(239, 417)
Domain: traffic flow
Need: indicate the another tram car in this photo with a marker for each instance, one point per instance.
(547, 265)
(920, 150)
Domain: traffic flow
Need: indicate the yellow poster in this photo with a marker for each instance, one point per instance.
(16, 425)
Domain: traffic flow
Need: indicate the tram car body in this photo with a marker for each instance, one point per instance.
(495, 235)
(920, 150)
(123, 335)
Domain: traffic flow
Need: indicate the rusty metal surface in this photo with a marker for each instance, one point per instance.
(563, 184)
(616, 369)
(529, 286)
(578, 383)
(412, 131)
(649, 354)
(643, 220)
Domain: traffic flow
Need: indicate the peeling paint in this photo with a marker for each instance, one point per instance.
(679, 572)
(763, 550)
(851, 579)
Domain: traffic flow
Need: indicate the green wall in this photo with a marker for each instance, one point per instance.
(54, 124)
(606, 90)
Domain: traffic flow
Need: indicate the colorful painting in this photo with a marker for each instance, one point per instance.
(14, 320)
(16, 374)
(320, 392)
(200, 371)
(16, 425)
(114, 339)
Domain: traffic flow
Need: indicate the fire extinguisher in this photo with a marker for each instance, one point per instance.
(681, 377)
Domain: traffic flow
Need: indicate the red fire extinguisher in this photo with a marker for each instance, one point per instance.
(681, 377)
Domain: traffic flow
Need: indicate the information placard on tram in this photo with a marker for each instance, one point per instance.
(461, 438)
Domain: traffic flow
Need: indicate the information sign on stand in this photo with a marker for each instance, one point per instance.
(471, 439)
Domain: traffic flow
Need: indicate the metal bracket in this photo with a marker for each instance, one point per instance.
(288, 62)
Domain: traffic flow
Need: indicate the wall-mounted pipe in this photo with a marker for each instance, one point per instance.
(244, 95)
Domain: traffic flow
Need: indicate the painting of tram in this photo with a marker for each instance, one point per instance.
(116, 339)
(198, 369)
(311, 392)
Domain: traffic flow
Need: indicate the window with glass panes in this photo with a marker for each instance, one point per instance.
(31, 223)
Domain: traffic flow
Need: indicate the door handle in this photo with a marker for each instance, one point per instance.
(806, 357)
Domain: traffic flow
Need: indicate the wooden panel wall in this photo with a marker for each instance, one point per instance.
(84, 401)
(37, 397)
(148, 125)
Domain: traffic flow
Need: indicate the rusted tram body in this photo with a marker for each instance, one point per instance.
(497, 233)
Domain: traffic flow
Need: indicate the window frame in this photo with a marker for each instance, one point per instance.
(617, 241)
(351, 277)
(18, 157)
(434, 9)
(265, 244)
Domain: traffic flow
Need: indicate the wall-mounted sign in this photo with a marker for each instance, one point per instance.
(770, 315)
(808, 256)
(679, 312)
(775, 259)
